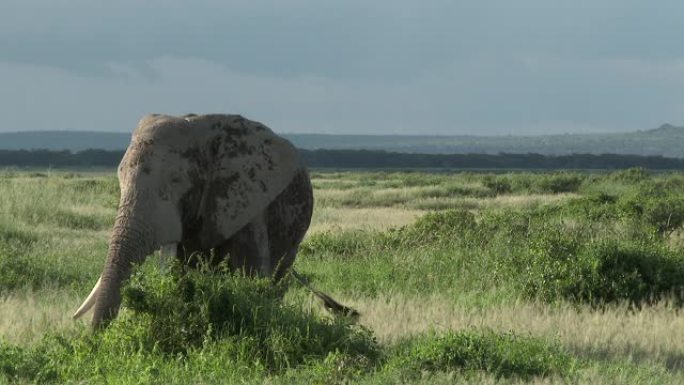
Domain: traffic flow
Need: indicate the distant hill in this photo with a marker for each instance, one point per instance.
(666, 140)
(64, 140)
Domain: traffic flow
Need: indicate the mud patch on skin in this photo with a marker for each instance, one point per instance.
(232, 125)
(235, 191)
(266, 154)
(235, 147)
(227, 188)
(196, 156)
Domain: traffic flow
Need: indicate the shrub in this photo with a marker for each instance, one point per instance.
(594, 207)
(20, 364)
(630, 175)
(499, 354)
(12, 239)
(182, 311)
(498, 184)
(15, 268)
(633, 272)
(436, 228)
(198, 324)
(340, 243)
(559, 183)
(77, 221)
(665, 213)
(560, 266)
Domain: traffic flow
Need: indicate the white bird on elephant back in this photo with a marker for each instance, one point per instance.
(203, 183)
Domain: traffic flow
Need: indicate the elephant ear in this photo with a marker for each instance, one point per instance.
(252, 166)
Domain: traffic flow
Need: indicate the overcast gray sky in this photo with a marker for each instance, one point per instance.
(347, 66)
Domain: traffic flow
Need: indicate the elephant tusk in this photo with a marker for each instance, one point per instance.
(89, 302)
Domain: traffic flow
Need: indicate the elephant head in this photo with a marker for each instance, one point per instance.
(200, 183)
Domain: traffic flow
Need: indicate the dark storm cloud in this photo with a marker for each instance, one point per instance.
(448, 67)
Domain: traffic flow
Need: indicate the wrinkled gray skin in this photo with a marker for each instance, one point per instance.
(218, 182)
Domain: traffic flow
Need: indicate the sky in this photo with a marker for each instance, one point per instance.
(444, 67)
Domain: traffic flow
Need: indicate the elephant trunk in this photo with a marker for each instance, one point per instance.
(131, 241)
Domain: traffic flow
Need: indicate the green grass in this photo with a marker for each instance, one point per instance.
(597, 253)
(470, 350)
(238, 326)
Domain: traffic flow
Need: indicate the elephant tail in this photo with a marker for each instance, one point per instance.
(329, 303)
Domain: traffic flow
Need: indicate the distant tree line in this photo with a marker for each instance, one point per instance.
(60, 159)
(366, 159)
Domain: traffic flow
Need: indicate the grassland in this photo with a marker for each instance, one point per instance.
(459, 278)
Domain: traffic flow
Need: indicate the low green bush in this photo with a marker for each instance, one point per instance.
(470, 350)
(559, 183)
(498, 184)
(537, 251)
(593, 207)
(341, 244)
(666, 213)
(188, 322)
(560, 265)
(33, 365)
(77, 221)
(13, 239)
(434, 229)
(181, 311)
(631, 175)
(23, 265)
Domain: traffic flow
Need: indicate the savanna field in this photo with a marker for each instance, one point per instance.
(547, 278)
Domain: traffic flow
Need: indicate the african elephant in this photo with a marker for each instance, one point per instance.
(200, 183)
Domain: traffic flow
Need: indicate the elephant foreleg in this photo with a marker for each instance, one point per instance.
(250, 248)
(261, 241)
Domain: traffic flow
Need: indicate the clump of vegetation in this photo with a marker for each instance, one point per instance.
(573, 251)
(610, 241)
(178, 312)
(177, 319)
(503, 355)
(659, 203)
(498, 184)
(630, 175)
(341, 244)
(560, 183)
(436, 228)
(17, 268)
(21, 268)
(431, 230)
(13, 239)
(27, 365)
(561, 266)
